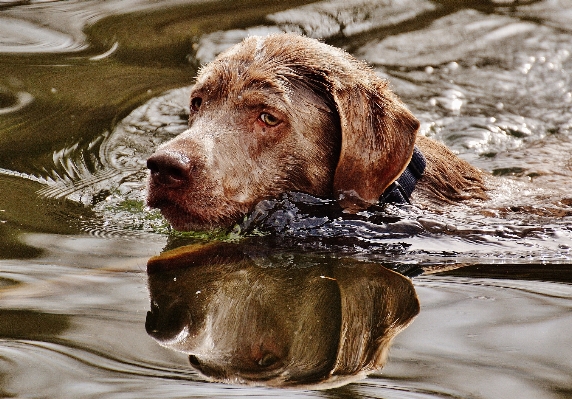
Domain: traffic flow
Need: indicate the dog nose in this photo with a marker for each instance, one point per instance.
(169, 169)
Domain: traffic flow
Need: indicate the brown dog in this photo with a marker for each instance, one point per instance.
(289, 113)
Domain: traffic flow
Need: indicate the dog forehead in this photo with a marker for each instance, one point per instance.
(278, 66)
(229, 75)
(259, 57)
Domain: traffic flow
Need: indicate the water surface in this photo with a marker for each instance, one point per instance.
(89, 88)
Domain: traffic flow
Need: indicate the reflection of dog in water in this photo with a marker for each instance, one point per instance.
(288, 113)
(265, 321)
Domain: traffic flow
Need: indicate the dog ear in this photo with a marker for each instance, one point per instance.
(378, 137)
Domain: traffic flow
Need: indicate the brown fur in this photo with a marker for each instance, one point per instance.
(447, 178)
(341, 133)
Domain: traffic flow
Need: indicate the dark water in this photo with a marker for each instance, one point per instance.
(89, 88)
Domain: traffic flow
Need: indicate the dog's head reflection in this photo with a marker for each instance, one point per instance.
(280, 321)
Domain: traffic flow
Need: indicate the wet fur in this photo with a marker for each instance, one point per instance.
(343, 134)
(447, 178)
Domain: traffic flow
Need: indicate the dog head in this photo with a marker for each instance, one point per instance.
(277, 114)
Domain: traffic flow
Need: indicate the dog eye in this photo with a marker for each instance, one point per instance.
(196, 103)
(268, 119)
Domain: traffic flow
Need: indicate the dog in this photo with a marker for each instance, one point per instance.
(288, 113)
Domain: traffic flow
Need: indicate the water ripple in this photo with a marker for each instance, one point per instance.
(13, 102)
(19, 36)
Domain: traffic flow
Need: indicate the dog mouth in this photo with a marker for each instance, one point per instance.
(181, 219)
(178, 216)
(186, 217)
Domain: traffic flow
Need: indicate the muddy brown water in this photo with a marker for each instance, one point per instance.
(89, 88)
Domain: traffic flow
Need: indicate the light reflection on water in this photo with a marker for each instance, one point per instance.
(276, 319)
(88, 90)
(508, 336)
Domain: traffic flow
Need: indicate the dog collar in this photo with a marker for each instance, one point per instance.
(400, 190)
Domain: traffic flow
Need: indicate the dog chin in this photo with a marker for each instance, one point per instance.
(182, 219)
(183, 224)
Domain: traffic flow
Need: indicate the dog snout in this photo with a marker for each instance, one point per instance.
(170, 169)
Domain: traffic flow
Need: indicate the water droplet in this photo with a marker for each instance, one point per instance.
(452, 66)
(526, 68)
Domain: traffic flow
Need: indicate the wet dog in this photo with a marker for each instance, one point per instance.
(288, 113)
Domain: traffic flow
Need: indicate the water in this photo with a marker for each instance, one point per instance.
(89, 89)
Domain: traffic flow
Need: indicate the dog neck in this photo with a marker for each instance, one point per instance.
(400, 190)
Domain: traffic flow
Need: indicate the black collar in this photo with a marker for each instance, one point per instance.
(400, 190)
